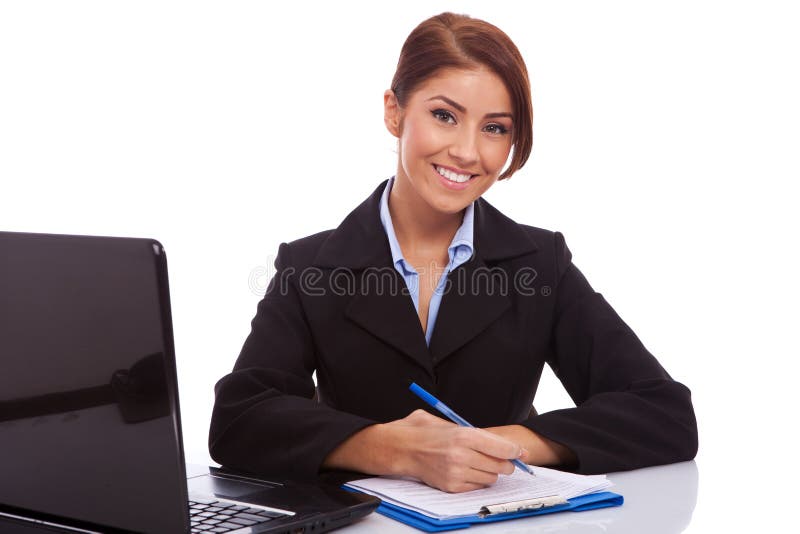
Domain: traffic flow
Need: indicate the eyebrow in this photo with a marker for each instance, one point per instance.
(462, 109)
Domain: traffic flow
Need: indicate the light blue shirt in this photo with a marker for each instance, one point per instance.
(459, 252)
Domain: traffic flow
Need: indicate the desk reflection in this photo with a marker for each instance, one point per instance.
(658, 500)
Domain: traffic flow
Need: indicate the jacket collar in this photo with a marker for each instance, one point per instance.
(360, 240)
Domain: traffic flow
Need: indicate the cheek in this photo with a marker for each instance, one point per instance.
(420, 141)
(495, 155)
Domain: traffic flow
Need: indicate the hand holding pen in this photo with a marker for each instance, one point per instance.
(453, 416)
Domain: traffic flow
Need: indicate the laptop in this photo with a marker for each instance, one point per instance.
(90, 431)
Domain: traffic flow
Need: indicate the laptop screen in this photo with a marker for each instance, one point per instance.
(88, 419)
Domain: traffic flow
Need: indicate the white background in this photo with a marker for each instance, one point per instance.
(666, 150)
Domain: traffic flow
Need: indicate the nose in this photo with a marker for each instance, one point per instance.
(464, 148)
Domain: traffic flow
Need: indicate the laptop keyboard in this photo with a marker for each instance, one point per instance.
(208, 515)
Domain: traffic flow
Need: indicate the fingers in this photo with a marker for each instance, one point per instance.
(491, 465)
(454, 475)
(489, 444)
(457, 478)
(469, 480)
(459, 487)
(463, 466)
(479, 462)
(453, 458)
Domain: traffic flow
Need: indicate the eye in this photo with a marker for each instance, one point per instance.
(495, 128)
(444, 116)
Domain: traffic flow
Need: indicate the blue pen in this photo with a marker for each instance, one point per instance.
(454, 417)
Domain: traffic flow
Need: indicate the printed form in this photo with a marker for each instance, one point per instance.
(519, 486)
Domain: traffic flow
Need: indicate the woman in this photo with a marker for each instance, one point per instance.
(426, 282)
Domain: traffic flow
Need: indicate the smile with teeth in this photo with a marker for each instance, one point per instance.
(452, 176)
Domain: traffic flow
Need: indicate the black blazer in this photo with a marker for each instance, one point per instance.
(338, 307)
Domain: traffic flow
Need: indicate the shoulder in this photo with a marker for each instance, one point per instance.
(358, 242)
(500, 237)
(549, 240)
(302, 252)
(541, 235)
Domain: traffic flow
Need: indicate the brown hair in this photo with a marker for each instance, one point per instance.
(459, 41)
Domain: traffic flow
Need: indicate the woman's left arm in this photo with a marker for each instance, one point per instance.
(629, 412)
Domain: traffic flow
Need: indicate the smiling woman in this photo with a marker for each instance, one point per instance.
(454, 139)
(434, 296)
(457, 42)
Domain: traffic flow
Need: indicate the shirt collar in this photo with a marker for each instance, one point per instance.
(462, 240)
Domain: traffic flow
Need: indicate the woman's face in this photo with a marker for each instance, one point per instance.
(455, 135)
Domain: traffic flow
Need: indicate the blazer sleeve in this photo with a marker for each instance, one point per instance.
(266, 419)
(629, 412)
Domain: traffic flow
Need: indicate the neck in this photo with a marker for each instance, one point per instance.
(418, 226)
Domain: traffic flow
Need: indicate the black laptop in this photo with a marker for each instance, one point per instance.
(90, 432)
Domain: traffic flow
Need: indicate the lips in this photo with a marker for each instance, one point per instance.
(452, 175)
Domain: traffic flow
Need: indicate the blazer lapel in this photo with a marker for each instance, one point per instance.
(391, 317)
(473, 300)
(381, 304)
(478, 292)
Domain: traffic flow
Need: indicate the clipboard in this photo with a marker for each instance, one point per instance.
(501, 511)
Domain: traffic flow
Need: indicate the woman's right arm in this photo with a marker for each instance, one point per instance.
(267, 421)
(265, 418)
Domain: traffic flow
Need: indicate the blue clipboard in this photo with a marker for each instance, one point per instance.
(604, 499)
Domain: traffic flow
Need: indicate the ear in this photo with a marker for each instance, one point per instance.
(392, 114)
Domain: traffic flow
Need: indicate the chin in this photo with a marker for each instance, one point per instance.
(449, 207)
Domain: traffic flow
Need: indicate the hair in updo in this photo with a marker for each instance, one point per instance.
(459, 41)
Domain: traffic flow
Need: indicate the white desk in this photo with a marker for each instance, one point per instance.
(658, 500)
